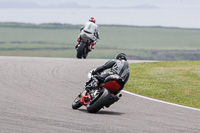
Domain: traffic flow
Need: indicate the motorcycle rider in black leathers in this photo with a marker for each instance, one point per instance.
(118, 66)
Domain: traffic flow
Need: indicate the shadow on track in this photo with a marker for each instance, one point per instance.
(102, 112)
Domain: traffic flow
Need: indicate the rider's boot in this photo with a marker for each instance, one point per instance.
(92, 84)
(78, 42)
(90, 46)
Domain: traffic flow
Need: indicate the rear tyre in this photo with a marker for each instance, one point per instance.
(80, 50)
(76, 103)
(98, 102)
(85, 56)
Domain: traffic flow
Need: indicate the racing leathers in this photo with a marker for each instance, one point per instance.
(119, 67)
(89, 33)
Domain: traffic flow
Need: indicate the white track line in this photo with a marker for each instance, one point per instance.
(160, 101)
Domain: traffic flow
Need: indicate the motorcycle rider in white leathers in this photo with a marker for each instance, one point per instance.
(89, 33)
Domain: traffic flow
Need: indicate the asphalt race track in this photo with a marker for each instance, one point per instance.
(36, 96)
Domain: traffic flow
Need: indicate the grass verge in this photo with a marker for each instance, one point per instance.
(67, 51)
(141, 43)
(171, 81)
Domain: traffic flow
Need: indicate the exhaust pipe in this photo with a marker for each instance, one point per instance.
(119, 95)
(114, 99)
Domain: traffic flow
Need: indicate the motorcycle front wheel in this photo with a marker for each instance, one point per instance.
(99, 101)
(76, 103)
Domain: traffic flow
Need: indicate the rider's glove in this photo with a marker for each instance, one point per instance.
(94, 72)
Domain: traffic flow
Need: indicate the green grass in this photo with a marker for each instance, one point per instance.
(39, 36)
(149, 37)
(173, 81)
(40, 53)
(150, 43)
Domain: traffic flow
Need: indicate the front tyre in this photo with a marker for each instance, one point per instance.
(76, 103)
(99, 101)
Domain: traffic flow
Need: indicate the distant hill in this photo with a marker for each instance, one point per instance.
(18, 5)
(15, 4)
(146, 6)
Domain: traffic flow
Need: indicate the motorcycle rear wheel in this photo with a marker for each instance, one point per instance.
(98, 102)
(80, 50)
(76, 103)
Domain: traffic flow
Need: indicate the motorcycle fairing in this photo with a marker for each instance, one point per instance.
(85, 98)
(113, 86)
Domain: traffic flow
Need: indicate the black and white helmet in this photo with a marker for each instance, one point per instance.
(121, 56)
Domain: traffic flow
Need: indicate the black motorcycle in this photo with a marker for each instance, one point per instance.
(82, 50)
(103, 96)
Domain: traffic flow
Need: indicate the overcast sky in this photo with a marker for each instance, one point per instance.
(99, 3)
(172, 13)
